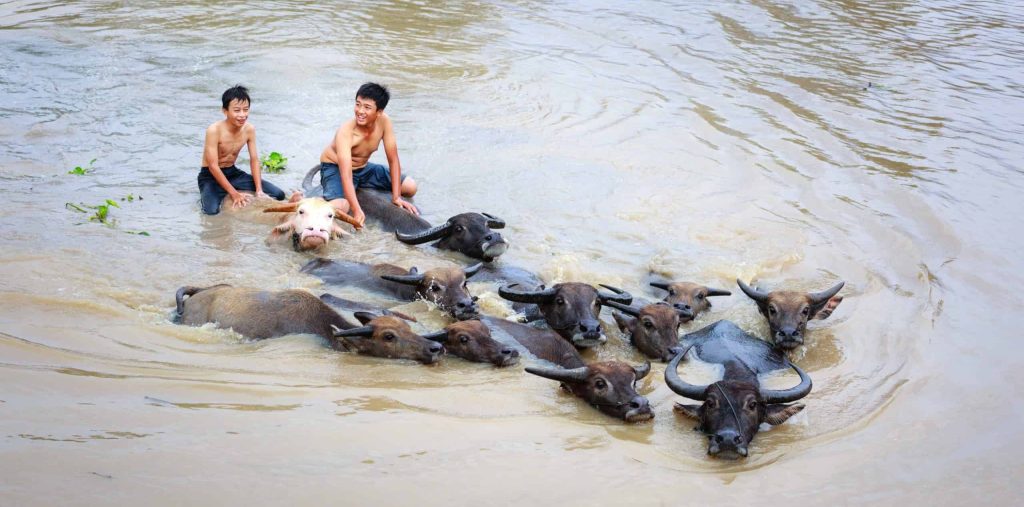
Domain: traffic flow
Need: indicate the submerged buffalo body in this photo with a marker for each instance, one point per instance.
(734, 407)
(788, 311)
(258, 314)
(445, 287)
(571, 309)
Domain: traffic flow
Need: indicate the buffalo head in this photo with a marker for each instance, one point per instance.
(788, 311)
(310, 222)
(445, 287)
(388, 336)
(653, 329)
(571, 309)
(471, 234)
(471, 340)
(609, 386)
(734, 409)
(688, 297)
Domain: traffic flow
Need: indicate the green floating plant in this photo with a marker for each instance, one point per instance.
(82, 171)
(274, 162)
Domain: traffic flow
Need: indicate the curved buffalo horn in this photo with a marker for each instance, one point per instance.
(494, 222)
(430, 234)
(821, 297)
(678, 385)
(410, 279)
(282, 208)
(471, 270)
(403, 316)
(560, 374)
(791, 394)
(356, 331)
(661, 285)
(753, 293)
(623, 308)
(620, 295)
(437, 336)
(524, 296)
(718, 292)
(642, 370)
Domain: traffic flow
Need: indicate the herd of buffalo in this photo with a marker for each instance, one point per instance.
(560, 320)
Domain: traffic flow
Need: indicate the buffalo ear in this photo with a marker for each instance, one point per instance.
(625, 323)
(691, 411)
(778, 413)
(827, 309)
(364, 317)
(338, 232)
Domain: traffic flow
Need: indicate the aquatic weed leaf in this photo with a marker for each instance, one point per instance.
(81, 171)
(274, 162)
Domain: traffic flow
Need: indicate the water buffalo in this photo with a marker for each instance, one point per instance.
(472, 341)
(653, 329)
(608, 385)
(258, 314)
(688, 297)
(309, 223)
(471, 234)
(735, 406)
(445, 287)
(788, 311)
(570, 308)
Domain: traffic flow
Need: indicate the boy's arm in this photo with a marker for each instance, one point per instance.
(254, 161)
(213, 165)
(391, 150)
(343, 153)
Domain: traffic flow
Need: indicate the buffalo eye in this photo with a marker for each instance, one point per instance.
(389, 337)
(465, 285)
(330, 215)
(671, 292)
(772, 310)
(464, 339)
(560, 300)
(712, 403)
(302, 212)
(459, 228)
(806, 311)
(648, 324)
(600, 384)
(700, 296)
(435, 288)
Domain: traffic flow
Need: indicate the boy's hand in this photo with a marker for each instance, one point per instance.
(261, 195)
(406, 205)
(360, 217)
(240, 200)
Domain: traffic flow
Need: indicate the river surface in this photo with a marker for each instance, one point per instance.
(795, 144)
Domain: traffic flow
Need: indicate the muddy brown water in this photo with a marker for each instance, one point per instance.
(792, 143)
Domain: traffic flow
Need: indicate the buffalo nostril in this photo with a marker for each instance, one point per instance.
(719, 439)
(737, 440)
(507, 351)
(489, 237)
(310, 228)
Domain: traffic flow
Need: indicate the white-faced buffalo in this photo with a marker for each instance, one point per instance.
(258, 314)
(445, 287)
(309, 223)
(689, 298)
(472, 341)
(734, 407)
(653, 329)
(571, 308)
(788, 311)
(607, 385)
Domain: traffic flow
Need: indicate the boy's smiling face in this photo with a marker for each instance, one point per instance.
(237, 112)
(366, 111)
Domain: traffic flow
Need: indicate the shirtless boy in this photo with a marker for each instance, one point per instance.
(345, 166)
(224, 140)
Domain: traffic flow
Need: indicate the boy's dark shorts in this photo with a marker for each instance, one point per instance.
(371, 176)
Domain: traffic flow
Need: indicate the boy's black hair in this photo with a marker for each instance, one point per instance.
(375, 92)
(237, 92)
